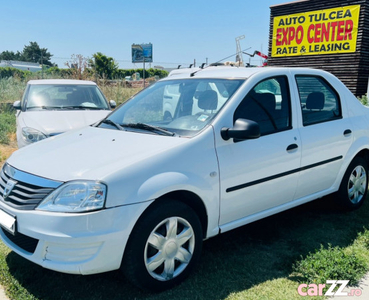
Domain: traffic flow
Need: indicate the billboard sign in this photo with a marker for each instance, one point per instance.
(141, 53)
(327, 31)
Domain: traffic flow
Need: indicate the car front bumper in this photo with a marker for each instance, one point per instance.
(86, 243)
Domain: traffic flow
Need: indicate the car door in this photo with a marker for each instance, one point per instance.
(257, 175)
(325, 133)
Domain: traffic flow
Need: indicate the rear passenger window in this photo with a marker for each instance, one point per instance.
(268, 104)
(319, 101)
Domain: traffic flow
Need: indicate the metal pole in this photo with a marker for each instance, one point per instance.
(144, 70)
(42, 65)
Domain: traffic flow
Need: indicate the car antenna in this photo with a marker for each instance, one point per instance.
(202, 68)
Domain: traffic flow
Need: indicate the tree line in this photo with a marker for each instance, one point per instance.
(79, 67)
(31, 53)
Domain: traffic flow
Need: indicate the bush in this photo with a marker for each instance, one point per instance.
(122, 73)
(7, 126)
(11, 89)
(55, 72)
(364, 100)
(331, 264)
(13, 72)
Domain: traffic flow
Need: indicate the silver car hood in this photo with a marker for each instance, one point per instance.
(59, 121)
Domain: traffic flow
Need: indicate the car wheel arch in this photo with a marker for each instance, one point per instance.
(354, 184)
(187, 197)
(364, 154)
(133, 266)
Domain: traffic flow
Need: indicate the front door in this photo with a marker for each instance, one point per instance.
(259, 174)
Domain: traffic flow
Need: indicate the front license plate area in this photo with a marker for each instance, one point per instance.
(8, 222)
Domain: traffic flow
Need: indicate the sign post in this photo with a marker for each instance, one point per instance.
(142, 53)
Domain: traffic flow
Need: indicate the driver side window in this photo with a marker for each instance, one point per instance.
(268, 104)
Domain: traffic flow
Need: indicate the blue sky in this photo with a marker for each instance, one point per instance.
(180, 31)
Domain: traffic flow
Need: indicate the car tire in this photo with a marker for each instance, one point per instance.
(354, 185)
(164, 247)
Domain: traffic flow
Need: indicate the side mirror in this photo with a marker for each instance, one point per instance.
(17, 105)
(243, 129)
(112, 104)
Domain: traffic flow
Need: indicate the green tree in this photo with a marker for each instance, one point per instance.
(33, 53)
(104, 66)
(10, 55)
(30, 53)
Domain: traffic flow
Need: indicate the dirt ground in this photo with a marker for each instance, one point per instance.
(7, 150)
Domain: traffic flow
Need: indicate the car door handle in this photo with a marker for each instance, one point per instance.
(292, 147)
(347, 132)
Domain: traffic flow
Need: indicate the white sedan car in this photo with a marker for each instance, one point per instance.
(140, 192)
(51, 107)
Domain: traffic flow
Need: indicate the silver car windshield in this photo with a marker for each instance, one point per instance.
(179, 107)
(64, 97)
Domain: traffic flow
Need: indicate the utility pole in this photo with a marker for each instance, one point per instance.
(143, 73)
(42, 65)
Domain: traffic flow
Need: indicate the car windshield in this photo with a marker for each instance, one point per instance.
(64, 97)
(174, 107)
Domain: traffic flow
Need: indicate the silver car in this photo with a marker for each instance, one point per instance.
(52, 106)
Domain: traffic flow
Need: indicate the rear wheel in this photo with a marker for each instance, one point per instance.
(164, 246)
(354, 185)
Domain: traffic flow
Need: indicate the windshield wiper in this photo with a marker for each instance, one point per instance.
(81, 107)
(149, 127)
(110, 122)
(47, 107)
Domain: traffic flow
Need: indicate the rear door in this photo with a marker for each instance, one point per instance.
(325, 133)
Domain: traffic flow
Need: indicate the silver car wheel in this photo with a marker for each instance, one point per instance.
(357, 184)
(169, 248)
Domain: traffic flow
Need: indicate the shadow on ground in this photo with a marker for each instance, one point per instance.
(232, 262)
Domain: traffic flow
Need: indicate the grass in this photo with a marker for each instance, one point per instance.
(118, 93)
(267, 259)
(7, 126)
(11, 89)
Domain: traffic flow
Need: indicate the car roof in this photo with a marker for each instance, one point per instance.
(61, 81)
(226, 72)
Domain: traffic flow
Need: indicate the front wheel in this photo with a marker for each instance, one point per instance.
(354, 185)
(164, 246)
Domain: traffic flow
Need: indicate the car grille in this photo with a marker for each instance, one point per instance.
(26, 190)
(22, 241)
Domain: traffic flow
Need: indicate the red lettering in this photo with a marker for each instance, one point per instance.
(285, 36)
(279, 37)
(340, 30)
(325, 32)
(349, 26)
(310, 37)
(333, 33)
(291, 35)
(299, 35)
(317, 32)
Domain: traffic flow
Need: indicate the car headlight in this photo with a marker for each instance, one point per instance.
(31, 135)
(75, 196)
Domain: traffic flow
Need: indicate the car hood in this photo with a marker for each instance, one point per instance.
(52, 122)
(90, 153)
